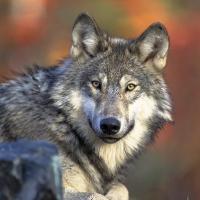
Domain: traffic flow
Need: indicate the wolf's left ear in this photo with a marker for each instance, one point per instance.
(152, 46)
(86, 38)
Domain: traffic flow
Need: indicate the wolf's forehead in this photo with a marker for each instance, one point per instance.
(115, 68)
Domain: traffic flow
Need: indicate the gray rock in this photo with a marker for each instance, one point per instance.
(29, 170)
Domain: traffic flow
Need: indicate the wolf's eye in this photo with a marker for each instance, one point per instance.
(130, 87)
(96, 85)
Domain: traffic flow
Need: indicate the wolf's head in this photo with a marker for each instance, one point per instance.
(115, 86)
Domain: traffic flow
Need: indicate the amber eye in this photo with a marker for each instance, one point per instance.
(130, 87)
(96, 85)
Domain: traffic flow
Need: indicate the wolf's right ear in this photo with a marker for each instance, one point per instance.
(86, 38)
(151, 47)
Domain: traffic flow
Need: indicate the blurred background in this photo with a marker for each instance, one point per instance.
(39, 31)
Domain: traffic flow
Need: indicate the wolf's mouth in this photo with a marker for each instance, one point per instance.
(110, 140)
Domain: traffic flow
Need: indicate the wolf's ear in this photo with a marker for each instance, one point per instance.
(152, 46)
(86, 38)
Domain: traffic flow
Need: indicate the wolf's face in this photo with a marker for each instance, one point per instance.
(112, 98)
(120, 84)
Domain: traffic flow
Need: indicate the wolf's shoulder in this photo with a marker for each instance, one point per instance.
(31, 87)
(34, 78)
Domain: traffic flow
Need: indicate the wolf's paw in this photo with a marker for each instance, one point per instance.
(118, 191)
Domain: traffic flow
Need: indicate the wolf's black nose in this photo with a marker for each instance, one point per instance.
(110, 126)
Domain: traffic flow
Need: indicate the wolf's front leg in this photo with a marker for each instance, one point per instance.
(118, 191)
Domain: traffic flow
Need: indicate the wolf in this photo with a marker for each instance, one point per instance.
(101, 106)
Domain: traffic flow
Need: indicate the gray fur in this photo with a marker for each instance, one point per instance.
(59, 104)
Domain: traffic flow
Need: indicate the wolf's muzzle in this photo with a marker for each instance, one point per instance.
(110, 126)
